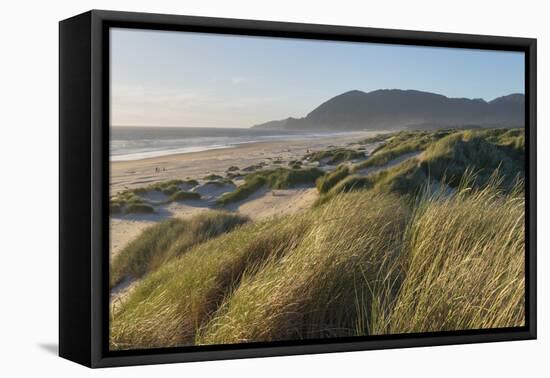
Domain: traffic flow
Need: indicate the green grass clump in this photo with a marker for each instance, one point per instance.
(134, 199)
(514, 138)
(249, 187)
(400, 144)
(127, 200)
(334, 156)
(166, 187)
(126, 197)
(348, 184)
(406, 179)
(451, 156)
(212, 177)
(183, 195)
(163, 241)
(170, 190)
(139, 208)
(328, 180)
(190, 182)
(280, 178)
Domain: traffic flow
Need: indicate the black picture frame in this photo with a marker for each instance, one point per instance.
(84, 178)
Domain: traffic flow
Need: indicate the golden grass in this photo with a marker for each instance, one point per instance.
(363, 263)
(170, 304)
(463, 264)
(311, 291)
(166, 240)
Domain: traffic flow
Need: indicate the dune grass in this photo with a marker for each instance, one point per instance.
(334, 156)
(463, 264)
(400, 144)
(329, 179)
(130, 200)
(169, 305)
(447, 158)
(249, 187)
(212, 177)
(454, 154)
(182, 195)
(163, 241)
(365, 262)
(283, 178)
(280, 178)
(311, 291)
(384, 253)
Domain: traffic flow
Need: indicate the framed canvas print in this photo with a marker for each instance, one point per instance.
(234, 188)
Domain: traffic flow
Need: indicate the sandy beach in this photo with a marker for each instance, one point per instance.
(196, 165)
(137, 173)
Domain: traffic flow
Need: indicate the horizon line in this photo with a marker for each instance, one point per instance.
(351, 90)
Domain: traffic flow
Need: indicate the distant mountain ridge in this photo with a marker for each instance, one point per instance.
(397, 109)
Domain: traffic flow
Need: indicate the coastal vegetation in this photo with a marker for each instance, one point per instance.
(334, 156)
(425, 233)
(279, 178)
(165, 240)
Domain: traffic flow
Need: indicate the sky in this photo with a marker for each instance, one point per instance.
(166, 78)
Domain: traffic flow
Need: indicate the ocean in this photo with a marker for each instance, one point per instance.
(133, 143)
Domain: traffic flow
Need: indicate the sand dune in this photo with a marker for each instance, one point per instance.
(263, 204)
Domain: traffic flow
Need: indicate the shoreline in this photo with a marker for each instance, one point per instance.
(197, 165)
(128, 174)
(287, 138)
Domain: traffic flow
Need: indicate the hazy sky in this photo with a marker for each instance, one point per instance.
(163, 78)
